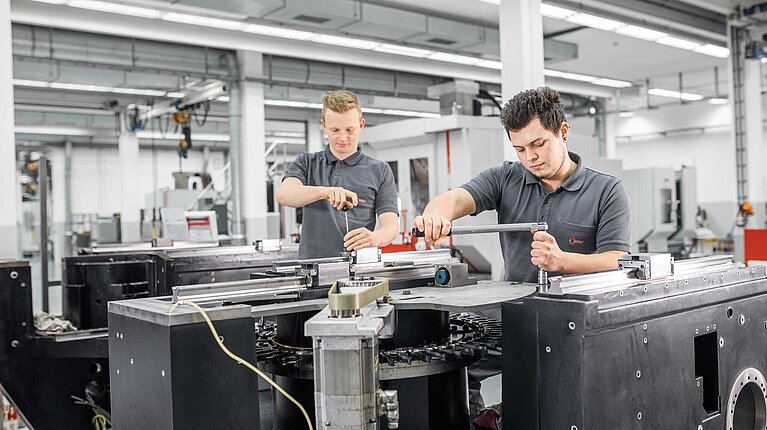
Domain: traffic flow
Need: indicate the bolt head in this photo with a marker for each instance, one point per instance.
(15, 343)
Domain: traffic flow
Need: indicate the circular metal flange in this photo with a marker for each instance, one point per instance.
(747, 403)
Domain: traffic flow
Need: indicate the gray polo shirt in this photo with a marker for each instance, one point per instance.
(324, 226)
(589, 213)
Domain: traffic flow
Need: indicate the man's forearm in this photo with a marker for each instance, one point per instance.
(586, 263)
(387, 232)
(450, 205)
(301, 196)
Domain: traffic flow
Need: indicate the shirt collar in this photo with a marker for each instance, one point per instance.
(573, 183)
(350, 160)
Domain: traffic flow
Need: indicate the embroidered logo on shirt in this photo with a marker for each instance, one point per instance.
(574, 241)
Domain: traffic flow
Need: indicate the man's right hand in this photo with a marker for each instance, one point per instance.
(435, 227)
(340, 197)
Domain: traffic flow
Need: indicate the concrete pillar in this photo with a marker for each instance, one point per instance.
(315, 139)
(252, 146)
(609, 136)
(752, 103)
(127, 147)
(9, 184)
(521, 28)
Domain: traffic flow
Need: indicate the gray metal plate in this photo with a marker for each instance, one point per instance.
(483, 295)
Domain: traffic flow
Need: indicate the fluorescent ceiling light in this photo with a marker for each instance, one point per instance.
(349, 42)
(453, 58)
(30, 83)
(594, 21)
(490, 64)
(555, 11)
(718, 101)
(139, 92)
(279, 32)
(222, 98)
(605, 82)
(640, 33)
(291, 103)
(203, 21)
(713, 50)
(94, 88)
(81, 87)
(175, 95)
(285, 134)
(677, 43)
(397, 112)
(116, 8)
(614, 83)
(625, 114)
(400, 112)
(403, 50)
(674, 94)
(578, 77)
(211, 137)
(59, 131)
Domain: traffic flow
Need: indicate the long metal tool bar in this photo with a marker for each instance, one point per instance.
(543, 276)
(493, 228)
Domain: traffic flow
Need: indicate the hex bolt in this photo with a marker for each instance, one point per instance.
(708, 328)
(721, 342)
(644, 326)
(698, 383)
(700, 427)
(573, 427)
(23, 284)
(548, 349)
(571, 325)
(639, 374)
(14, 274)
(742, 319)
(644, 340)
(23, 323)
(131, 361)
(639, 415)
(714, 327)
(15, 343)
(162, 373)
(697, 331)
(118, 371)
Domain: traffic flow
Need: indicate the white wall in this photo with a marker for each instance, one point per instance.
(96, 185)
(699, 135)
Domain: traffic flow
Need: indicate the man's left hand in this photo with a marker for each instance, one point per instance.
(546, 253)
(360, 238)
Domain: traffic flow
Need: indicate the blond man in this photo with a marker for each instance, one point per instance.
(341, 176)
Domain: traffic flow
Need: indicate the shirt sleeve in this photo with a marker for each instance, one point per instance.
(485, 189)
(386, 197)
(299, 169)
(614, 228)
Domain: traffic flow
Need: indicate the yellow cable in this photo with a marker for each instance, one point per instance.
(240, 360)
(99, 421)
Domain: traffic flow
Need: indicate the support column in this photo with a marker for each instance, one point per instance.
(9, 184)
(252, 146)
(521, 28)
(315, 141)
(752, 103)
(127, 147)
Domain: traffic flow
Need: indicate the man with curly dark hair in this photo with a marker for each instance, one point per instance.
(587, 211)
